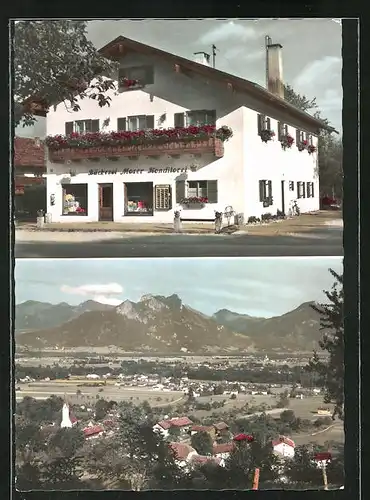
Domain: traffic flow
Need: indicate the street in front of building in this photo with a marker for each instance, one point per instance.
(324, 241)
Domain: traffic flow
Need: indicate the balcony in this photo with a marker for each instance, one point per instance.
(113, 145)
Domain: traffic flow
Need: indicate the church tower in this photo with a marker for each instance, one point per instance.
(66, 419)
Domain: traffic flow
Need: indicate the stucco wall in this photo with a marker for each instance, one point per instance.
(246, 161)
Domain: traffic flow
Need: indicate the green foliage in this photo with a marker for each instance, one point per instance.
(331, 372)
(202, 443)
(300, 102)
(44, 411)
(330, 148)
(54, 62)
(287, 416)
(283, 400)
(302, 470)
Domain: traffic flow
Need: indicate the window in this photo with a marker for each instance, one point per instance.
(162, 197)
(179, 120)
(301, 136)
(301, 190)
(197, 189)
(310, 139)
(201, 117)
(138, 198)
(291, 185)
(142, 122)
(81, 126)
(282, 130)
(263, 123)
(74, 199)
(121, 124)
(144, 74)
(266, 192)
(310, 190)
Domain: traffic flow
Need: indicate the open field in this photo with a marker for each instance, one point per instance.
(42, 390)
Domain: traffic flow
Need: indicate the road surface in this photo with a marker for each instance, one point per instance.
(320, 242)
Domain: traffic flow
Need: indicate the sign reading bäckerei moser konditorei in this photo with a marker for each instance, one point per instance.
(168, 170)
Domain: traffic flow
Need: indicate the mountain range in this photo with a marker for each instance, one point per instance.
(162, 324)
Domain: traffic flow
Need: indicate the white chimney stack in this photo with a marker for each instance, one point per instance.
(274, 68)
(202, 58)
(66, 419)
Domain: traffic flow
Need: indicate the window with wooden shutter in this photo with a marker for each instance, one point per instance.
(260, 122)
(291, 185)
(285, 130)
(300, 189)
(180, 191)
(144, 74)
(262, 187)
(303, 190)
(149, 121)
(162, 197)
(94, 125)
(212, 191)
(179, 120)
(268, 123)
(121, 124)
(297, 136)
(269, 189)
(68, 128)
(312, 190)
(200, 117)
(280, 129)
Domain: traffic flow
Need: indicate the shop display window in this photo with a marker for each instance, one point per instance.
(138, 198)
(74, 199)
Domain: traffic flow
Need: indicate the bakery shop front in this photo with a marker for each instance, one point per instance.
(125, 194)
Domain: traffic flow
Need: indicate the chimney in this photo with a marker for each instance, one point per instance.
(202, 58)
(274, 68)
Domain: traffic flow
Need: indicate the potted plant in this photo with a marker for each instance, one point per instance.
(302, 145)
(195, 201)
(128, 83)
(286, 141)
(311, 149)
(267, 135)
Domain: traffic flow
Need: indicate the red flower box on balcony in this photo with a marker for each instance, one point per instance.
(202, 139)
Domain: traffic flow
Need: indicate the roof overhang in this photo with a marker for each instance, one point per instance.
(120, 46)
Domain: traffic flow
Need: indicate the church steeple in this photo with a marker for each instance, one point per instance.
(66, 419)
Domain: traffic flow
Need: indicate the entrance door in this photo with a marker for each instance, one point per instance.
(105, 202)
(283, 197)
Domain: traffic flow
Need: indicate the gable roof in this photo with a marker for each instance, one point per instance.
(116, 48)
(181, 450)
(284, 440)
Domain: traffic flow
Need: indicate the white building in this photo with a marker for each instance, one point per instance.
(284, 447)
(66, 419)
(123, 182)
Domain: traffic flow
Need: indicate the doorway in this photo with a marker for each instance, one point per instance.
(105, 202)
(283, 197)
(138, 198)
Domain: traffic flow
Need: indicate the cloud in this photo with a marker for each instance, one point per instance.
(316, 71)
(103, 293)
(227, 31)
(332, 100)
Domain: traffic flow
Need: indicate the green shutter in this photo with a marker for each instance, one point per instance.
(262, 190)
(212, 191)
(312, 190)
(94, 125)
(180, 191)
(297, 136)
(280, 130)
(179, 120)
(150, 121)
(268, 123)
(259, 123)
(121, 124)
(68, 128)
(269, 189)
(303, 190)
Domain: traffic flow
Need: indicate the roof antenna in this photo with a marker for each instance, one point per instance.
(214, 49)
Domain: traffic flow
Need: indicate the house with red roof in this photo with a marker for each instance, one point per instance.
(284, 446)
(182, 453)
(164, 426)
(223, 450)
(203, 428)
(93, 432)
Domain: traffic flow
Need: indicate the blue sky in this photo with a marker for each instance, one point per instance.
(312, 58)
(263, 287)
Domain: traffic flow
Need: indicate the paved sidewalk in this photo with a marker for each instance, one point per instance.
(296, 225)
